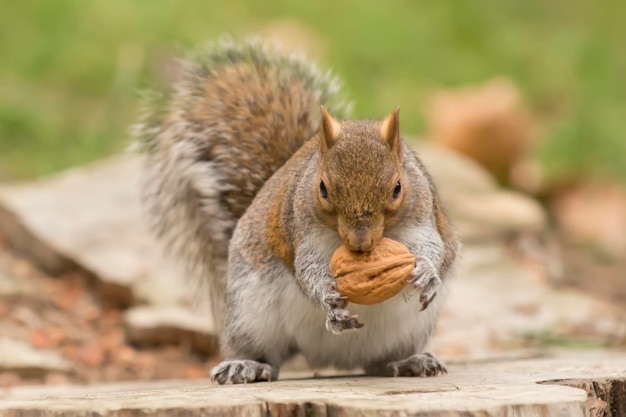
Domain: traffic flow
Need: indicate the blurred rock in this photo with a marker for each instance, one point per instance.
(454, 172)
(488, 122)
(89, 219)
(150, 326)
(498, 213)
(495, 305)
(20, 358)
(479, 208)
(593, 214)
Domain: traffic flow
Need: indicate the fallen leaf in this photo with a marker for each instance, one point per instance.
(40, 340)
(195, 372)
(91, 354)
(124, 355)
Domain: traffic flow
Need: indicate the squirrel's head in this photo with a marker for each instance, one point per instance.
(360, 188)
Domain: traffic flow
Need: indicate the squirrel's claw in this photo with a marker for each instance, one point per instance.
(425, 279)
(340, 319)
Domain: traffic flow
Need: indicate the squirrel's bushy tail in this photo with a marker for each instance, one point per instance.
(239, 111)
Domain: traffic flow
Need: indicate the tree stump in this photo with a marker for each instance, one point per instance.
(573, 384)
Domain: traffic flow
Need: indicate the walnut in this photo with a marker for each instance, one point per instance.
(372, 277)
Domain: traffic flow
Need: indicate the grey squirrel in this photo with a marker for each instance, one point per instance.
(255, 185)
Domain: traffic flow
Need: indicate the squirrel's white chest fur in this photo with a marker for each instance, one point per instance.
(392, 327)
(395, 325)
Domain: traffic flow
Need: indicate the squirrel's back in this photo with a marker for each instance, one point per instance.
(239, 111)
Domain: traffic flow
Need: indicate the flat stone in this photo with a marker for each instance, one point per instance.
(173, 325)
(21, 358)
(454, 171)
(479, 208)
(496, 214)
(494, 304)
(92, 221)
(547, 387)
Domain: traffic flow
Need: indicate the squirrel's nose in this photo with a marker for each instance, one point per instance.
(360, 241)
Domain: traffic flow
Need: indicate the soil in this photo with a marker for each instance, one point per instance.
(62, 314)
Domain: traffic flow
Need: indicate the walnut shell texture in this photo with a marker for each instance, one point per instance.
(372, 277)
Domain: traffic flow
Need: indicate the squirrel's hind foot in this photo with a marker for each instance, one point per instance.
(242, 372)
(424, 364)
(420, 365)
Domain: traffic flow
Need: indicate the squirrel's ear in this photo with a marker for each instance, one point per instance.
(390, 131)
(330, 130)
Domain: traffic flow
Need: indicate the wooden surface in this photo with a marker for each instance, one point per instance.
(572, 384)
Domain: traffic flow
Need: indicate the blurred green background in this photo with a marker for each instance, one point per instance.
(70, 70)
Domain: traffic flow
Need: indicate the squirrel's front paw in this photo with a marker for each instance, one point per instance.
(426, 280)
(334, 300)
(340, 319)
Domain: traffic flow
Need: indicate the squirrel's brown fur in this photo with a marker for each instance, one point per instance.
(240, 110)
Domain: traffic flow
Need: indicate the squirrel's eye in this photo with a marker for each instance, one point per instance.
(323, 191)
(396, 190)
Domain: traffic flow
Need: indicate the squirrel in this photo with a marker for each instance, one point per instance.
(251, 180)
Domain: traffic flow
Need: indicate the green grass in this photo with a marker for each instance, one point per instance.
(70, 69)
(548, 339)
